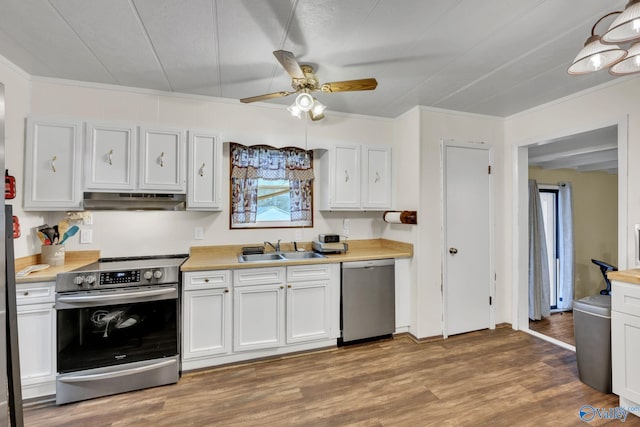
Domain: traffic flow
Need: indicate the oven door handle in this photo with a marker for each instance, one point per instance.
(116, 374)
(98, 298)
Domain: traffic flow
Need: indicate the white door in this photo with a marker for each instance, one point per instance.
(467, 238)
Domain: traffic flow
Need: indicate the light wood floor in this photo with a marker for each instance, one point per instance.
(497, 378)
(558, 326)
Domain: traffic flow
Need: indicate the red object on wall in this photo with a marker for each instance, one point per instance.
(16, 227)
(9, 185)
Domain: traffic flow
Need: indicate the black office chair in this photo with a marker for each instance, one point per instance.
(604, 269)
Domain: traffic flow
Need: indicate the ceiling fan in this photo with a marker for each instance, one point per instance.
(304, 81)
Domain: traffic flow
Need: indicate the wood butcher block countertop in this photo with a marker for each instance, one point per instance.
(226, 257)
(628, 276)
(72, 260)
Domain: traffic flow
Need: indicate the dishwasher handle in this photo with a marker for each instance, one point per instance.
(371, 263)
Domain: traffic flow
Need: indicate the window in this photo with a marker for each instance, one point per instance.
(549, 204)
(271, 187)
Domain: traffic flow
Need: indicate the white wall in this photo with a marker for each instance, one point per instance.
(145, 233)
(610, 104)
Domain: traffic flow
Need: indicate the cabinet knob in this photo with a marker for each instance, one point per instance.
(26, 293)
(377, 178)
(346, 175)
(162, 159)
(281, 286)
(206, 280)
(289, 286)
(110, 161)
(226, 291)
(201, 171)
(53, 163)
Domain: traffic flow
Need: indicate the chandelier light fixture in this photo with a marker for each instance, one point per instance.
(602, 52)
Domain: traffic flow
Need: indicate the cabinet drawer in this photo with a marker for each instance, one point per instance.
(300, 273)
(625, 298)
(35, 293)
(207, 280)
(258, 276)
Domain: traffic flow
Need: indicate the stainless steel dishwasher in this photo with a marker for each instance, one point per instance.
(368, 299)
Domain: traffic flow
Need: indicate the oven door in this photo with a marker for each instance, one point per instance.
(111, 327)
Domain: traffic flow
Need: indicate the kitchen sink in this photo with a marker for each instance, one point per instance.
(278, 256)
(302, 255)
(260, 257)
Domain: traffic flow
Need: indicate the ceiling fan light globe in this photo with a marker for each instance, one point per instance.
(317, 109)
(304, 102)
(294, 110)
(626, 26)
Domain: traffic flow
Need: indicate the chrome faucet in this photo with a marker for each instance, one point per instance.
(275, 247)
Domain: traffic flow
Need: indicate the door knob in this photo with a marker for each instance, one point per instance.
(453, 251)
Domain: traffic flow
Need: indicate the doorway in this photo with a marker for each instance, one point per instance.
(530, 157)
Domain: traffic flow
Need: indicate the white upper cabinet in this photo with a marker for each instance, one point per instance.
(354, 177)
(162, 159)
(376, 189)
(52, 164)
(110, 156)
(205, 172)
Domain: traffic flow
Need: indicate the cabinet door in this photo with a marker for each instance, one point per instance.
(625, 345)
(258, 317)
(204, 172)
(345, 188)
(52, 164)
(376, 178)
(110, 157)
(36, 339)
(207, 323)
(308, 311)
(162, 160)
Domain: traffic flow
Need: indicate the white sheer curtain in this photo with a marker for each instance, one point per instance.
(565, 247)
(539, 286)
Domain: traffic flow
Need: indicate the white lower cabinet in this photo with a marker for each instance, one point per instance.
(625, 343)
(276, 310)
(258, 308)
(206, 317)
(309, 308)
(36, 338)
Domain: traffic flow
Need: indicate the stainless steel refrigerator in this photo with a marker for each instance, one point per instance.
(10, 391)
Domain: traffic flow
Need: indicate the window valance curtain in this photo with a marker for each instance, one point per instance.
(294, 164)
(248, 164)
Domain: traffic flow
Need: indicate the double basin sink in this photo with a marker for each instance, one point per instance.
(279, 256)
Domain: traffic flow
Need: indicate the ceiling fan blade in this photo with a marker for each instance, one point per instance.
(289, 63)
(265, 96)
(350, 85)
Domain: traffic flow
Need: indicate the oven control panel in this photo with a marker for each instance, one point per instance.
(119, 277)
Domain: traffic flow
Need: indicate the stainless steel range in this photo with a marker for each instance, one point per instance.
(117, 326)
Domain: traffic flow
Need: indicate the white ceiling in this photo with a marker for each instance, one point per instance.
(596, 150)
(495, 57)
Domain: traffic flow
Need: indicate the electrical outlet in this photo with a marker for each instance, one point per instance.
(198, 233)
(86, 236)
